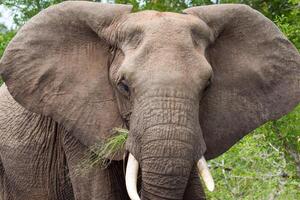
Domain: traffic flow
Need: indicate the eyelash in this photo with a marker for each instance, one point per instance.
(123, 87)
(195, 42)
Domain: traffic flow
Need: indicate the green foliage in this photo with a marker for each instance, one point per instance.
(23, 10)
(255, 169)
(5, 38)
(110, 147)
(199, 2)
(99, 153)
(165, 5)
(270, 8)
(264, 165)
(291, 28)
(285, 135)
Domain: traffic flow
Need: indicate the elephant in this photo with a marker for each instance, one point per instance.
(187, 86)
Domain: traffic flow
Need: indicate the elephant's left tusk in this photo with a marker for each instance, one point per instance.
(205, 174)
(132, 170)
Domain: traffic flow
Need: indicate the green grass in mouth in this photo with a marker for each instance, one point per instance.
(99, 153)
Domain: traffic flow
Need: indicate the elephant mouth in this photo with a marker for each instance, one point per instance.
(132, 170)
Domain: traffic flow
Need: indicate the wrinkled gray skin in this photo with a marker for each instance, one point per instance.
(79, 69)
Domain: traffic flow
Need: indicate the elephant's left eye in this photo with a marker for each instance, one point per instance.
(123, 87)
(208, 84)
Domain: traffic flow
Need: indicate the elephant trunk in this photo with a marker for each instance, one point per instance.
(165, 175)
(166, 139)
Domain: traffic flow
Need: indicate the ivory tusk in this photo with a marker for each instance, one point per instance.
(132, 170)
(205, 174)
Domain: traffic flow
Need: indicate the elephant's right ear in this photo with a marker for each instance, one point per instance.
(57, 65)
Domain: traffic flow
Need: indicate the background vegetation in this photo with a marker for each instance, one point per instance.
(266, 163)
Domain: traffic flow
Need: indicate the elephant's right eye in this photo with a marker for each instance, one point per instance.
(123, 87)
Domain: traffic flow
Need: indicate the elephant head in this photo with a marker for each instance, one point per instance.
(187, 85)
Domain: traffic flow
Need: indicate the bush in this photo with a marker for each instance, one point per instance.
(5, 38)
(263, 165)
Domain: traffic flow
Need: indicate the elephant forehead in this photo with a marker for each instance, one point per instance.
(164, 22)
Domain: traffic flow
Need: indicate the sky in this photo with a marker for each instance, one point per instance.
(6, 17)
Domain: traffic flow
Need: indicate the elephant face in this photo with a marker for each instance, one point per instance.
(188, 85)
(162, 90)
(165, 135)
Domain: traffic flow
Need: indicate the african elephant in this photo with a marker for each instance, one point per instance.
(187, 86)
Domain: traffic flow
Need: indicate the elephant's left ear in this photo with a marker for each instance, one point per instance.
(57, 65)
(256, 74)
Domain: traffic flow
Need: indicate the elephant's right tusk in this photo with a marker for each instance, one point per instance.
(205, 174)
(132, 170)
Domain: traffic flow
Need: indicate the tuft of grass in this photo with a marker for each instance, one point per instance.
(99, 153)
(110, 147)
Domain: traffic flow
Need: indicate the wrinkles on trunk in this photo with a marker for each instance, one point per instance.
(166, 161)
(165, 137)
(174, 111)
(165, 175)
(194, 189)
